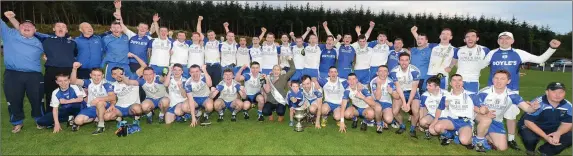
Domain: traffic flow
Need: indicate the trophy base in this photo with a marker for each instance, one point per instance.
(298, 129)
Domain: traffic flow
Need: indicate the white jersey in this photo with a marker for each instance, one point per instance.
(228, 53)
(155, 89)
(311, 94)
(228, 93)
(252, 83)
(175, 96)
(212, 52)
(312, 56)
(196, 55)
(256, 54)
(298, 58)
(434, 102)
(380, 54)
(499, 102)
(363, 57)
(97, 90)
(199, 89)
(462, 105)
(440, 59)
(386, 97)
(405, 77)
(285, 52)
(160, 51)
(350, 94)
(243, 56)
(180, 52)
(333, 91)
(270, 56)
(127, 95)
(469, 62)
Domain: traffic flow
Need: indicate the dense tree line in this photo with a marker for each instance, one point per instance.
(247, 19)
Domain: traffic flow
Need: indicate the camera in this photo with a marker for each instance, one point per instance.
(262, 81)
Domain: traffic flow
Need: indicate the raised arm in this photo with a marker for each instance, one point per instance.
(74, 75)
(263, 31)
(414, 31)
(553, 45)
(369, 31)
(239, 77)
(12, 18)
(292, 68)
(207, 76)
(167, 79)
(155, 25)
(226, 26)
(306, 33)
(358, 30)
(199, 19)
(325, 26)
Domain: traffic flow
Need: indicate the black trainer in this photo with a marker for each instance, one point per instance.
(363, 126)
(413, 134)
(427, 136)
(220, 119)
(206, 121)
(479, 147)
(261, 118)
(444, 141)
(354, 124)
(98, 130)
(75, 128)
(470, 146)
(513, 145)
(234, 118)
(400, 131)
(246, 116)
(379, 129)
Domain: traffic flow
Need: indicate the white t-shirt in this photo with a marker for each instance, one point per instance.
(270, 56)
(160, 51)
(333, 91)
(212, 52)
(256, 54)
(405, 77)
(228, 53)
(196, 55)
(71, 93)
(285, 52)
(97, 90)
(175, 96)
(199, 89)
(252, 83)
(469, 62)
(462, 105)
(380, 54)
(312, 56)
(243, 56)
(228, 92)
(298, 58)
(363, 57)
(385, 92)
(441, 58)
(434, 102)
(180, 52)
(126, 94)
(155, 89)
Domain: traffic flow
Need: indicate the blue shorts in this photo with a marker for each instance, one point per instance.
(200, 100)
(310, 72)
(154, 101)
(124, 111)
(471, 86)
(91, 112)
(496, 127)
(443, 81)
(253, 98)
(126, 70)
(360, 111)
(246, 70)
(297, 75)
(433, 117)
(407, 95)
(172, 109)
(266, 71)
(373, 70)
(332, 107)
(384, 104)
(343, 72)
(159, 70)
(228, 106)
(459, 123)
(362, 75)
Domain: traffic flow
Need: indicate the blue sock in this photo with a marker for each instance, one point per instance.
(354, 119)
(379, 123)
(412, 128)
(402, 126)
(260, 113)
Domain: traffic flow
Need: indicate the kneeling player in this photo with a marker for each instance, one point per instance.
(384, 92)
(406, 77)
(432, 102)
(253, 88)
(312, 98)
(100, 94)
(363, 104)
(197, 89)
(461, 104)
(295, 99)
(66, 101)
(152, 85)
(228, 90)
(333, 87)
(177, 96)
(127, 97)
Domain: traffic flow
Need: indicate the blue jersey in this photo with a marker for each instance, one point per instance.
(511, 60)
(346, 54)
(116, 49)
(548, 117)
(421, 59)
(298, 95)
(138, 46)
(72, 92)
(20, 53)
(393, 59)
(90, 50)
(327, 58)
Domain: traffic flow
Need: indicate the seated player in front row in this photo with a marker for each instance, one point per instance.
(253, 88)
(334, 88)
(312, 98)
(384, 92)
(498, 98)
(67, 101)
(363, 104)
(229, 91)
(197, 89)
(431, 104)
(100, 95)
(177, 96)
(127, 92)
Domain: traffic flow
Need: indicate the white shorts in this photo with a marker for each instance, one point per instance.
(511, 113)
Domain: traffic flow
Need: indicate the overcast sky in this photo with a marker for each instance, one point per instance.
(555, 14)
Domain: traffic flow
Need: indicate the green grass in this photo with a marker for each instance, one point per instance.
(244, 137)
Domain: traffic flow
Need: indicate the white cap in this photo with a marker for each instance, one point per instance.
(505, 33)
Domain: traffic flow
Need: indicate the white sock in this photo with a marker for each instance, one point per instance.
(161, 114)
(221, 112)
(136, 117)
(70, 117)
(118, 119)
(510, 137)
(150, 114)
(234, 113)
(101, 123)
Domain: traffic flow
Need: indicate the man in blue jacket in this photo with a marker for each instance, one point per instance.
(90, 49)
(23, 70)
(116, 46)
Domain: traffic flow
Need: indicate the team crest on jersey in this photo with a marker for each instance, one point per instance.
(496, 101)
(504, 56)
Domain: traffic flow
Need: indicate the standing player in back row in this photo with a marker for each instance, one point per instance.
(510, 59)
(212, 53)
(469, 59)
(160, 50)
(180, 52)
(441, 56)
(228, 50)
(312, 56)
(270, 54)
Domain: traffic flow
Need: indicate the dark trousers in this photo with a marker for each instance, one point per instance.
(269, 108)
(84, 73)
(530, 140)
(63, 113)
(16, 84)
(214, 71)
(50, 83)
(133, 67)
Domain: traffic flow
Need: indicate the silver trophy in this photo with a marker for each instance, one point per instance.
(299, 114)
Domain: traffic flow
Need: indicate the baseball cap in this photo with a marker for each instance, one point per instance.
(28, 21)
(555, 86)
(505, 33)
